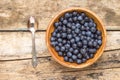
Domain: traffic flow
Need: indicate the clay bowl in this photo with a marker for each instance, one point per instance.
(59, 59)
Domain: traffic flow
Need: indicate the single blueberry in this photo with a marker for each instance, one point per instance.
(64, 35)
(86, 24)
(83, 60)
(69, 54)
(59, 40)
(52, 39)
(74, 57)
(64, 41)
(71, 49)
(56, 24)
(64, 29)
(69, 36)
(91, 55)
(67, 46)
(80, 18)
(84, 42)
(82, 28)
(75, 51)
(60, 44)
(90, 24)
(82, 22)
(69, 30)
(88, 33)
(66, 58)
(54, 34)
(77, 30)
(77, 39)
(91, 20)
(83, 32)
(59, 28)
(57, 48)
(62, 48)
(86, 19)
(74, 46)
(58, 35)
(90, 43)
(72, 40)
(99, 37)
(65, 21)
(93, 29)
(79, 55)
(60, 23)
(78, 25)
(73, 27)
(74, 13)
(70, 20)
(70, 60)
(74, 18)
(60, 53)
(82, 51)
(98, 32)
(53, 44)
(94, 43)
(79, 61)
(99, 42)
(61, 19)
(69, 25)
(79, 44)
(92, 51)
(67, 15)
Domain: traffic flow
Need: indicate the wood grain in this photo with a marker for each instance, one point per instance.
(108, 64)
(14, 14)
(17, 45)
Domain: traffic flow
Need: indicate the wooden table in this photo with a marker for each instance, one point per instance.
(15, 41)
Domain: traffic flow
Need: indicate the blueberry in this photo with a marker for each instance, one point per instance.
(88, 39)
(85, 42)
(62, 48)
(64, 29)
(74, 13)
(78, 25)
(74, 35)
(56, 24)
(64, 35)
(82, 51)
(80, 18)
(90, 24)
(60, 53)
(82, 37)
(66, 58)
(70, 20)
(83, 60)
(87, 56)
(91, 35)
(73, 24)
(77, 39)
(69, 36)
(58, 35)
(69, 30)
(52, 39)
(60, 23)
(53, 44)
(65, 21)
(74, 46)
(79, 44)
(69, 54)
(86, 19)
(67, 46)
(75, 51)
(59, 28)
(99, 42)
(54, 34)
(98, 32)
(61, 19)
(74, 57)
(79, 55)
(82, 22)
(86, 24)
(94, 43)
(71, 49)
(87, 28)
(82, 28)
(67, 15)
(74, 18)
(92, 51)
(79, 61)
(57, 48)
(93, 29)
(73, 27)
(91, 20)
(91, 55)
(72, 40)
(69, 25)
(60, 44)
(59, 40)
(70, 60)
(99, 37)
(84, 46)
(90, 43)
(64, 41)
(94, 25)
(88, 33)
(77, 30)
(97, 47)
(83, 33)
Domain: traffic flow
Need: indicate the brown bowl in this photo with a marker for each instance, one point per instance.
(59, 59)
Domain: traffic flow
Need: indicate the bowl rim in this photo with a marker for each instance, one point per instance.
(72, 9)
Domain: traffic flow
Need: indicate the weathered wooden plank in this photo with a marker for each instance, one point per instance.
(14, 13)
(48, 65)
(17, 45)
(105, 74)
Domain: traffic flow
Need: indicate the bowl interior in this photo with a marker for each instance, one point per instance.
(99, 27)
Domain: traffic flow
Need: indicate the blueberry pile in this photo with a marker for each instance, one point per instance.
(76, 37)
